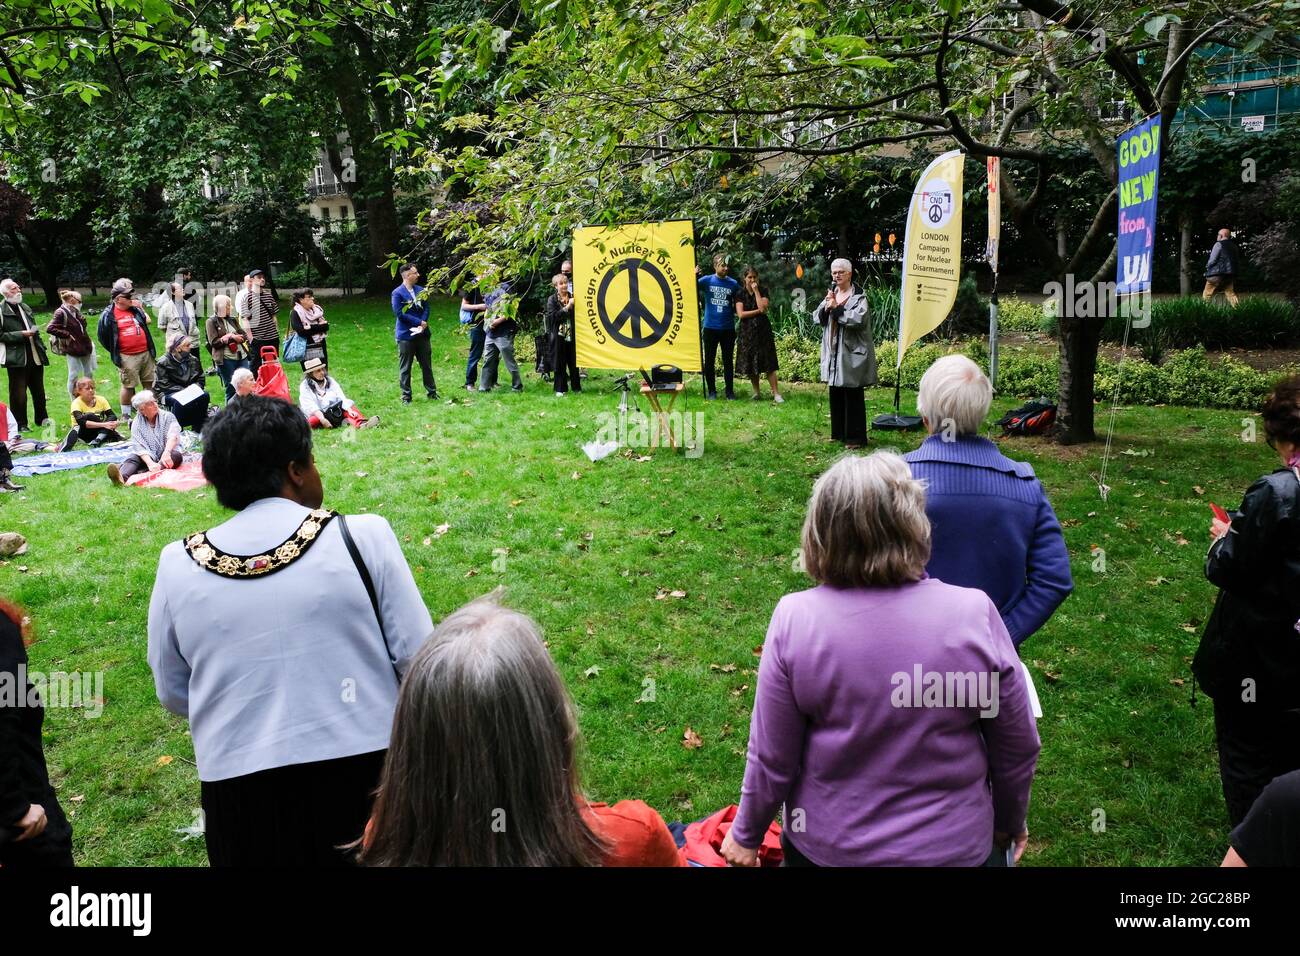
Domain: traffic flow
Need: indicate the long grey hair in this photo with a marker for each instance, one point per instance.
(482, 764)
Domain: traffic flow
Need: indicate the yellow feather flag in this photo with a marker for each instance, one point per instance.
(931, 250)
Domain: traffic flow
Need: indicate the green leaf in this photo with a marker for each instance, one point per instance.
(321, 38)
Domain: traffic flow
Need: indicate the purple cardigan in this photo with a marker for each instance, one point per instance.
(871, 770)
(992, 528)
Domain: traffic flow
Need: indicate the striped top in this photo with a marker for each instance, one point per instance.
(261, 309)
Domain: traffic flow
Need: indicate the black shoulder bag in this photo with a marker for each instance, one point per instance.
(370, 589)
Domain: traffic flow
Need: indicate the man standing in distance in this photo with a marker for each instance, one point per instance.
(718, 293)
(123, 330)
(261, 311)
(411, 330)
(1221, 270)
(24, 355)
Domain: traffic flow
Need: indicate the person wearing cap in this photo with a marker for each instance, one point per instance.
(322, 400)
(177, 370)
(261, 311)
(124, 332)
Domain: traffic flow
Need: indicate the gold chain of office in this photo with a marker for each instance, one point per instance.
(211, 558)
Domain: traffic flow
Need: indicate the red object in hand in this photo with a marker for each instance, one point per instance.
(1220, 513)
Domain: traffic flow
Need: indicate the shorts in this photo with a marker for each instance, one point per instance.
(137, 370)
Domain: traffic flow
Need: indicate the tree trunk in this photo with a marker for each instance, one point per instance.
(1185, 254)
(1079, 340)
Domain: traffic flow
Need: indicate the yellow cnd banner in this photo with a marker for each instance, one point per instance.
(634, 296)
(931, 250)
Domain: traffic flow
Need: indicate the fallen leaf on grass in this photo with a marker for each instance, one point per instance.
(591, 671)
(164, 761)
(725, 668)
(363, 474)
(691, 740)
(667, 532)
(471, 572)
(442, 529)
(1198, 489)
(1051, 675)
(576, 475)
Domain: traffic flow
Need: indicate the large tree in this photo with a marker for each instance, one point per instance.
(717, 110)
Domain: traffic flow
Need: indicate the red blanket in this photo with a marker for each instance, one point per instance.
(185, 478)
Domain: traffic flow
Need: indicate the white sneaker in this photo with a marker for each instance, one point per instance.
(778, 399)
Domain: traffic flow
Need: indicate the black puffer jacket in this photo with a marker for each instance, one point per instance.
(1252, 632)
(177, 370)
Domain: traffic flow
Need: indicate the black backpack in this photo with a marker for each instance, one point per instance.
(1032, 418)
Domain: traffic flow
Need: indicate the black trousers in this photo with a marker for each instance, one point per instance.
(713, 338)
(848, 414)
(1255, 745)
(409, 352)
(790, 855)
(298, 815)
(192, 415)
(565, 366)
(29, 378)
(255, 352)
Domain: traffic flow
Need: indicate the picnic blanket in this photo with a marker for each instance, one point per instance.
(51, 461)
(46, 463)
(185, 478)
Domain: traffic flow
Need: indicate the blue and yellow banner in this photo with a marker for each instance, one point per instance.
(1139, 181)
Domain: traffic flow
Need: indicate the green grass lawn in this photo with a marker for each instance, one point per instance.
(595, 553)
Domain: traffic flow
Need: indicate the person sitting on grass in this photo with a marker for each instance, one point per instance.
(244, 382)
(154, 436)
(482, 765)
(178, 370)
(322, 400)
(93, 420)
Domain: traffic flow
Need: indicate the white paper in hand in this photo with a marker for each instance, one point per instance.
(188, 394)
(1034, 706)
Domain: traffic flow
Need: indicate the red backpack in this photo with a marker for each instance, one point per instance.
(1031, 418)
(704, 840)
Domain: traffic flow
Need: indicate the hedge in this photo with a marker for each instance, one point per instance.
(1189, 377)
(1258, 322)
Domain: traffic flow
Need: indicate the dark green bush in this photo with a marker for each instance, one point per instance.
(1259, 322)
(1188, 377)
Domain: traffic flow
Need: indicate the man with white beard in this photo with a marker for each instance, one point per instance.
(23, 355)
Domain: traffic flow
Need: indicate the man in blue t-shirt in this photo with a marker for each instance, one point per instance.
(718, 296)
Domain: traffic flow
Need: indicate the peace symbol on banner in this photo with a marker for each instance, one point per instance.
(636, 313)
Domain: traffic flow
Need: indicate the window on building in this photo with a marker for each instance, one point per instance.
(320, 175)
(343, 212)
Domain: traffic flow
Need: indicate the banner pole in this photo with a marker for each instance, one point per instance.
(993, 333)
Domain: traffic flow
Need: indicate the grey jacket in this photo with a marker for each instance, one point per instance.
(848, 354)
(1223, 259)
